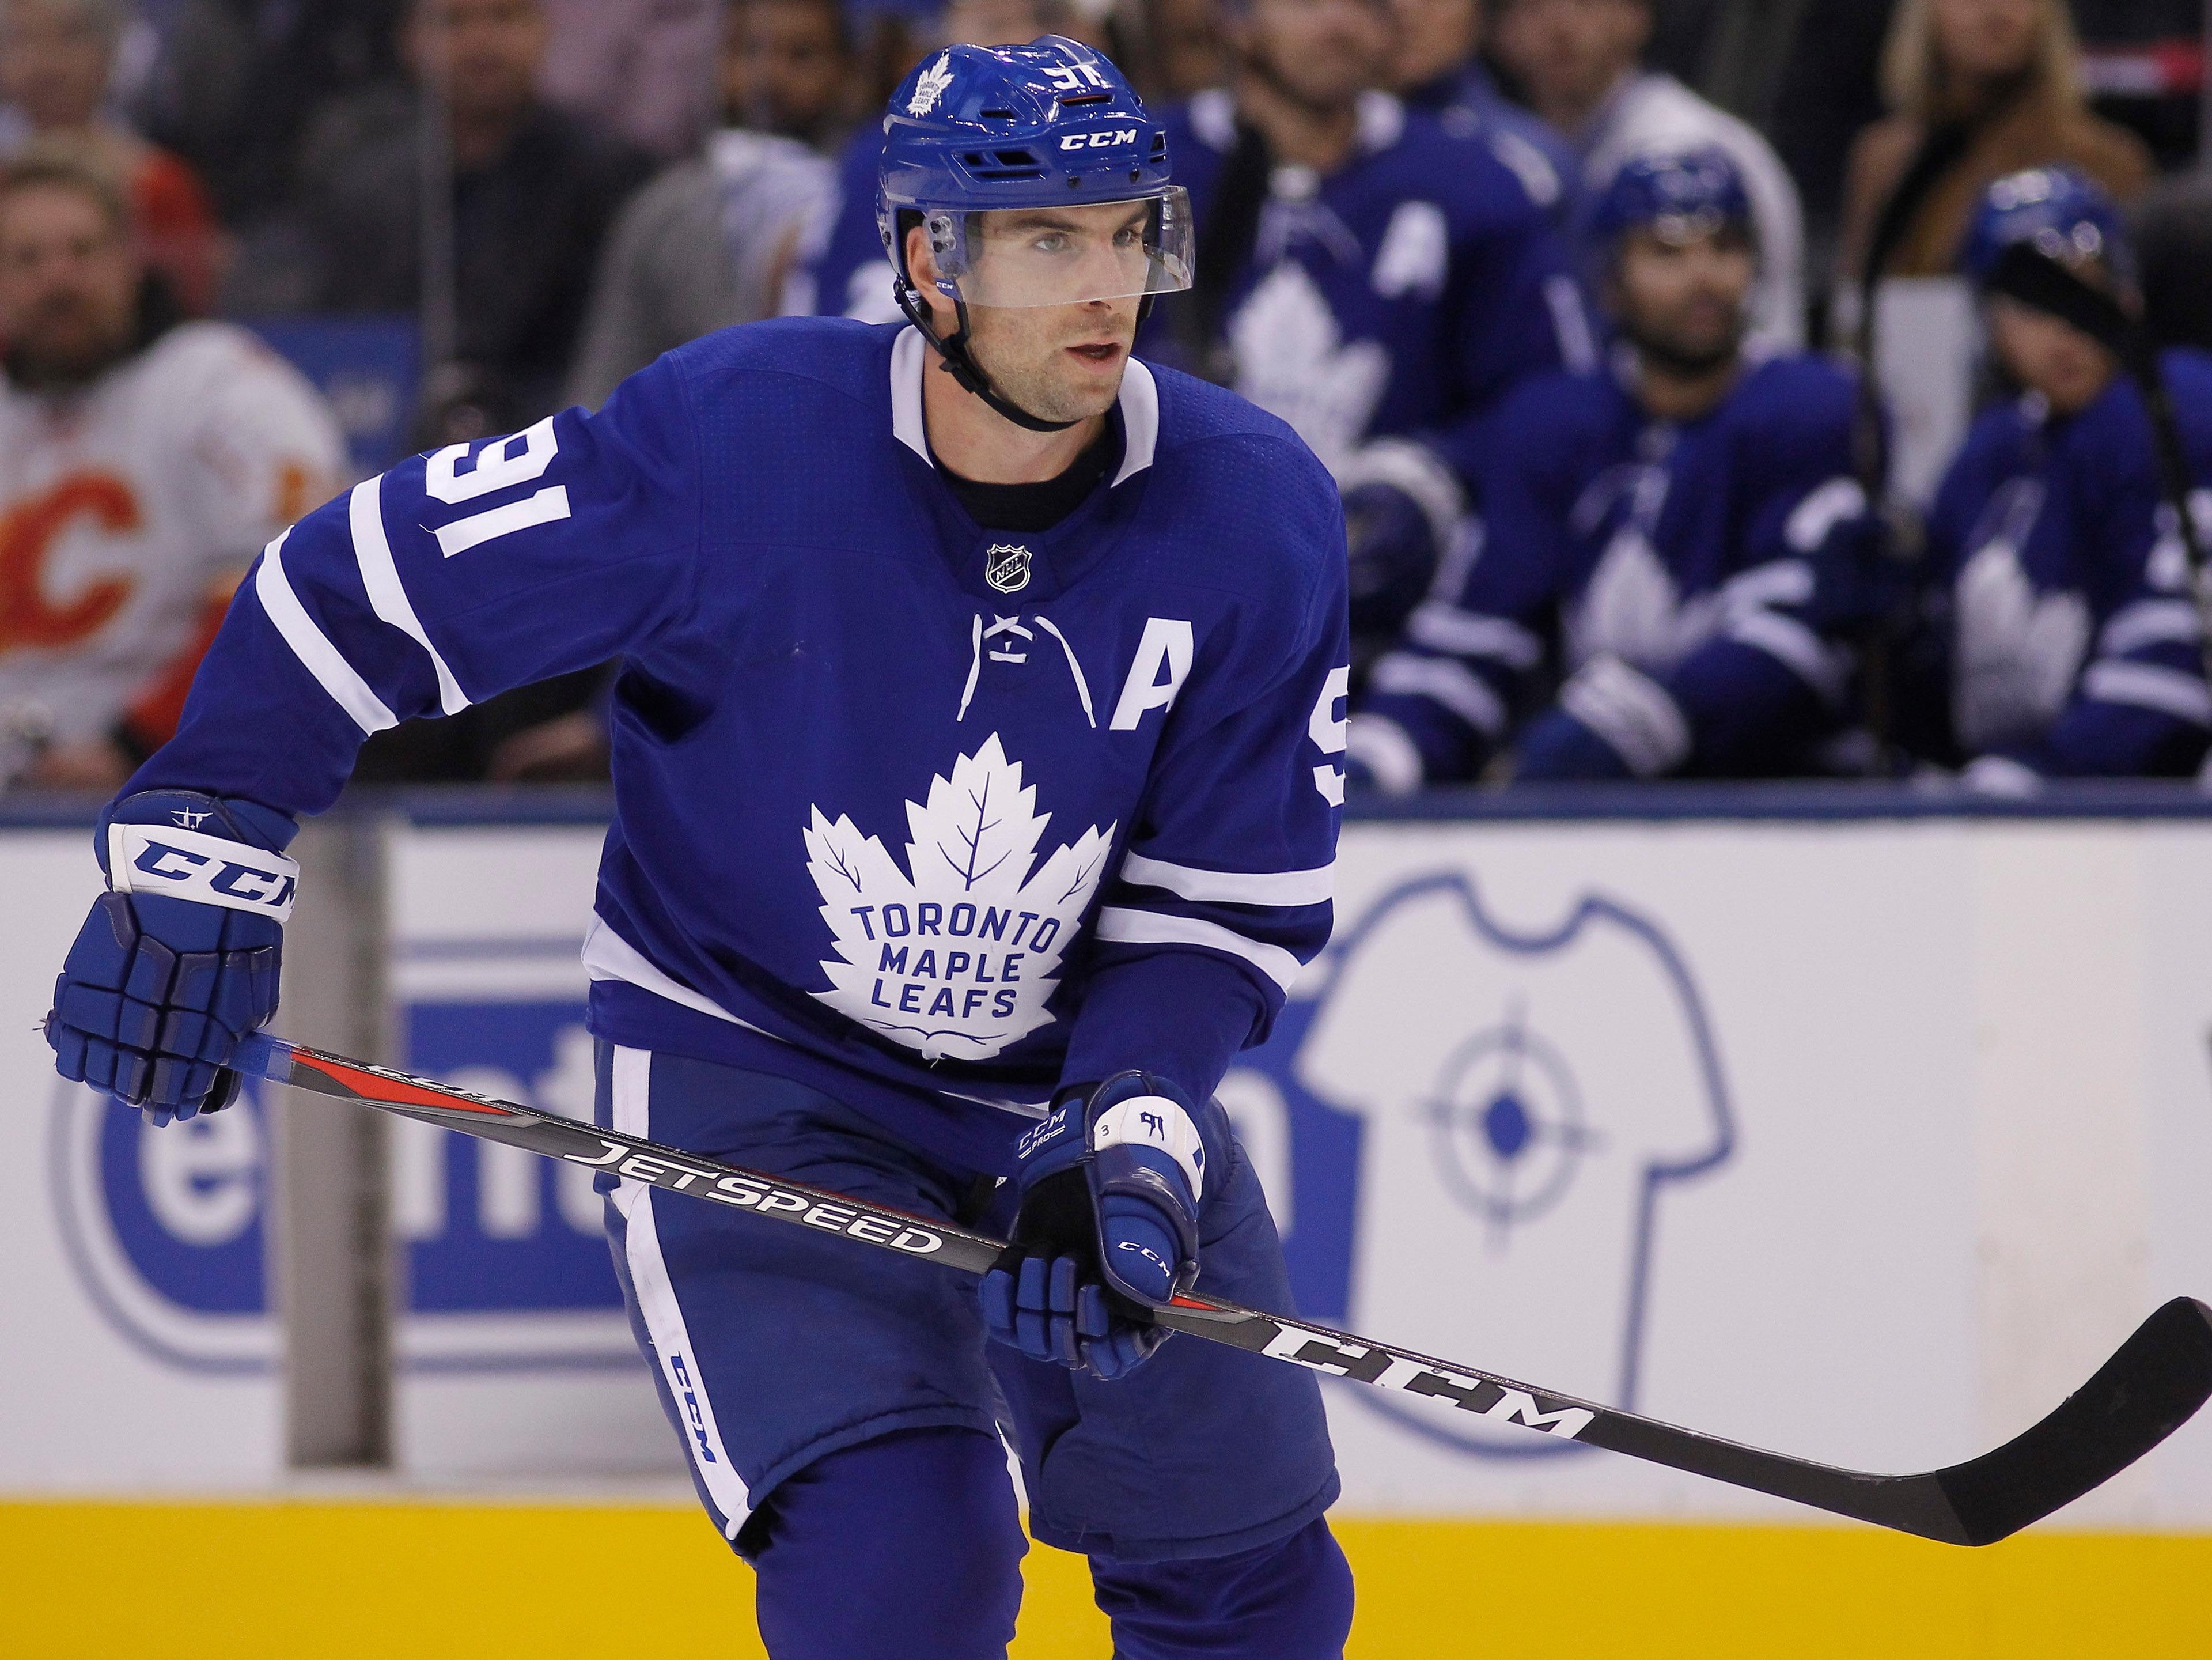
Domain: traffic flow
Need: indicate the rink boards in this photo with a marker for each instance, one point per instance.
(1865, 1136)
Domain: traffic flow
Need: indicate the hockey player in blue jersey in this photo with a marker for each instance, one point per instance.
(840, 267)
(1674, 542)
(1371, 277)
(1374, 279)
(2076, 648)
(977, 768)
(1439, 69)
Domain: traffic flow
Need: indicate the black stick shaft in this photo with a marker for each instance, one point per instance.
(2146, 1391)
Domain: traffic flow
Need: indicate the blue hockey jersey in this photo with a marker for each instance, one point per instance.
(931, 817)
(2074, 646)
(1400, 296)
(839, 268)
(1671, 575)
(1469, 105)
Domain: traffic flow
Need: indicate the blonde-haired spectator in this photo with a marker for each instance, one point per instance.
(57, 64)
(1981, 89)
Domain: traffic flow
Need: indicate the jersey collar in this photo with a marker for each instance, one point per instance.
(1139, 405)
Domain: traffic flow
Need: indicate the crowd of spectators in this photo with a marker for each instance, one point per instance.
(554, 191)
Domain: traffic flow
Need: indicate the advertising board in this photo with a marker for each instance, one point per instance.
(1863, 1138)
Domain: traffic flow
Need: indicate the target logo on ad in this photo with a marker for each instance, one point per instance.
(1472, 1129)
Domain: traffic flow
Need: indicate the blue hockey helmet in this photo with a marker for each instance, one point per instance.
(2061, 213)
(1679, 196)
(1049, 125)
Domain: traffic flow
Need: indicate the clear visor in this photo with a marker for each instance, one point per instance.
(1066, 256)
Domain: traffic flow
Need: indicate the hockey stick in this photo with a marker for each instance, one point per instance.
(2145, 1392)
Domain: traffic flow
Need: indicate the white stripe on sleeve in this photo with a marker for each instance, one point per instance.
(2146, 685)
(313, 647)
(2150, 623)
(379, 575)
(1453, 686)
(1632, 712)
(1151, 927)
(1796, 647)
(1469, 634)
(1233, 887)
(1387, 751)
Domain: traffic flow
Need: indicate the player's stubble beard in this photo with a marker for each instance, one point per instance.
(1673, 339)
(1023, 351)
(1686, 355)
(66, 343)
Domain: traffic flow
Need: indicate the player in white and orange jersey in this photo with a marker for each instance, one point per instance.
(142, 467)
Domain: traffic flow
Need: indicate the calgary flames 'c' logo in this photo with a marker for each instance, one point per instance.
(28, 532)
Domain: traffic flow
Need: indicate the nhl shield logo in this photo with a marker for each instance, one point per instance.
(1006, 567)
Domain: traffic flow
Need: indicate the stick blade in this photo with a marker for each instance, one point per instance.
(2149, 1388)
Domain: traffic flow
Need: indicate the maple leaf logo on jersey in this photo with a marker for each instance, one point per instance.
(930, 86)
(1293, 360)
(955, 955)
(2019, 652)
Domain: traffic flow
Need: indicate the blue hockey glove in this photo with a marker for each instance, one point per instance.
(1392, 546)
(178, 960)
(1558, 748)
(1863, 572)
(1107, 1228)
(1402, 508)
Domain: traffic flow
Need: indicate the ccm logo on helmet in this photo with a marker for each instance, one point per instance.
(1099, 141)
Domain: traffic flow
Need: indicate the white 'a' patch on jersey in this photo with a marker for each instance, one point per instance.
(956, 954)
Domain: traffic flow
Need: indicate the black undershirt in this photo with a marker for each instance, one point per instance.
(1034, 507)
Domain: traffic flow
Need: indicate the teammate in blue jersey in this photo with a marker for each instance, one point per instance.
(840, 267)
(1439, 69)
(977, 760)
(1673, 542)
(1374, 279)
(2075, 647)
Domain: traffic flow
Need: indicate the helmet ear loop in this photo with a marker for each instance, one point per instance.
(952, 349)
(961, 363)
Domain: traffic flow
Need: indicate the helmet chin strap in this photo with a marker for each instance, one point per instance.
(962, 364)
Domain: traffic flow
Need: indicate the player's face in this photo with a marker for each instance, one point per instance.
(1434, 38)
(2047, 356)
(1060, 363)
(483, 54)
(68, 285)
(1569, 52)
(1322, 54)
(1986, 39)
(54, 64)
(1685, 300)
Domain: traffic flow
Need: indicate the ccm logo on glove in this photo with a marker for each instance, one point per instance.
(190, 865)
